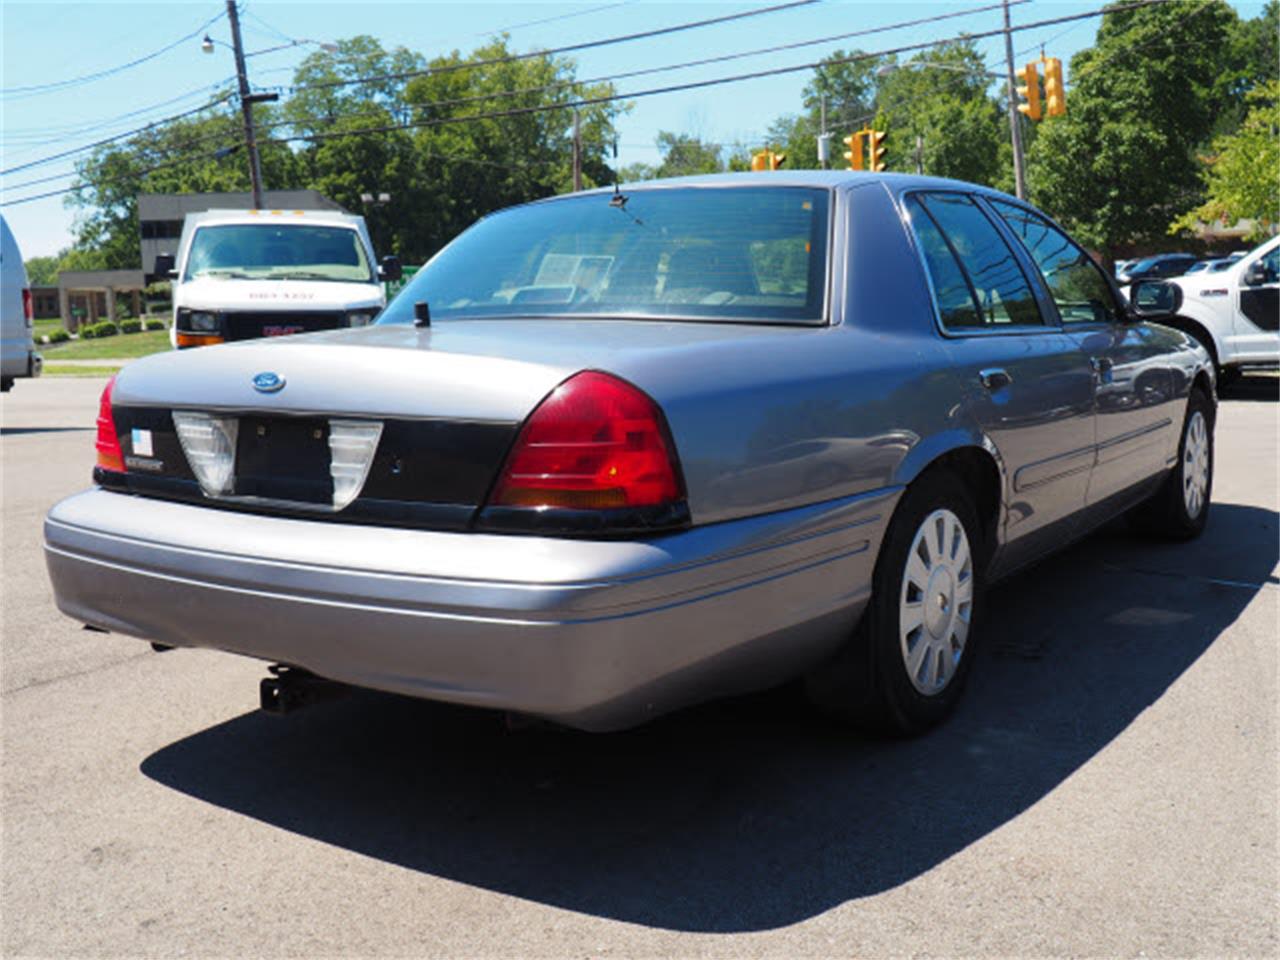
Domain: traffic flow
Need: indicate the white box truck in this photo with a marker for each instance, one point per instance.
(18, 357)
(242, 274)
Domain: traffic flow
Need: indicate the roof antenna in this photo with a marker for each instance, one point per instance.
(619, 199)
(421, 314)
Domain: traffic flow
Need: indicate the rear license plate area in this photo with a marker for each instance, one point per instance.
(284, 458)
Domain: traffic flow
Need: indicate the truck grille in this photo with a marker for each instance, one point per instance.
(249, 325)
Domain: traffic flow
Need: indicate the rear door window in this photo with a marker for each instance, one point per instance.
(1076, 284)
(976, 277)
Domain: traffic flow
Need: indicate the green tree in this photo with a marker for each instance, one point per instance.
(846, 90)
(469, 169)
(684, 154)
(193, 155)
(1119, 166)
(324, 92)
(42, 271)
(1243, 176)
(939, 118)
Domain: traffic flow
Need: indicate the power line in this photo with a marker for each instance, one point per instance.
(585, 45)
(213, 154)
(119, 136)
(700, 84)
(41, 88)
(560, 84)
(522, 111)
(563, 16)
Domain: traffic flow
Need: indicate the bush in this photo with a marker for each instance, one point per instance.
(130, 326)
(58, 335)
(155, 325)
(96, 330)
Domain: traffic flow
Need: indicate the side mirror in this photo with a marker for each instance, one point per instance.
(165, 264)
(1154, 299)
(390, 269)
(1256, 274)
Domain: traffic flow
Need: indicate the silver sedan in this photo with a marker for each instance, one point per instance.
(617, 452)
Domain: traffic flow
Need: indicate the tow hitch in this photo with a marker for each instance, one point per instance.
(292, 688)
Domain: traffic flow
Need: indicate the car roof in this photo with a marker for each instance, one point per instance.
(820, 179)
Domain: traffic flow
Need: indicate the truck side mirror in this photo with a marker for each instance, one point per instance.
(390, 269)
(1154, 299)
(1256, 274)
(165, 266)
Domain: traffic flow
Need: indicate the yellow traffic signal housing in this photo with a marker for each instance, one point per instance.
(760, 161)
(776, 160)
(1030, 90)
(1055, 93)
(853, 155)
(875, 143)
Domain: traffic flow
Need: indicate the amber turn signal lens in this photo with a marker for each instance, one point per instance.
(197, 340)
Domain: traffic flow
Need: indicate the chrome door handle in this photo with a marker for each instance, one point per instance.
(993, 378)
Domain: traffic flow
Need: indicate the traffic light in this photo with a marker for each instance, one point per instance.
(875, 142)
(1054, 92)
(1030, 90)
(767, 160)
(853, 155)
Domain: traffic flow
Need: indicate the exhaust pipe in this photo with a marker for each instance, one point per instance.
(292, 688)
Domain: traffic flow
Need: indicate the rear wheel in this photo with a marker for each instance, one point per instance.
(1179, 510)
(905, 666)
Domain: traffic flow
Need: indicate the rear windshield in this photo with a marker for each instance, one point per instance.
(739, 254)
(276, 251)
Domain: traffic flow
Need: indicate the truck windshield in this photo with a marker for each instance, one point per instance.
(736, 254)
(276, 251)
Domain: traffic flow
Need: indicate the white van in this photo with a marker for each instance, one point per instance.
(18, 357)
(242, 274)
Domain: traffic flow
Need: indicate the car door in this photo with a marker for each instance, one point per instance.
(1132, 369)
(1255, 324)
(1026, 383)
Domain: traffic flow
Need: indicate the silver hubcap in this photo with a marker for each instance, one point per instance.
(1195, 464)
(937, 601)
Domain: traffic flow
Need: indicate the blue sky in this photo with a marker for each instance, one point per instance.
(49, 41)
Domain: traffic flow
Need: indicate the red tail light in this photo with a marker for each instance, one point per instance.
(27, 310)
(596, 443)
(110, 456)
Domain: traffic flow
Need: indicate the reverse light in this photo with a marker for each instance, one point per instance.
(595, 443)
(110, 456)
(210, 447)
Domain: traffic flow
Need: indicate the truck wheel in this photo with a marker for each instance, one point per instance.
(906, 664)
(1179, 510)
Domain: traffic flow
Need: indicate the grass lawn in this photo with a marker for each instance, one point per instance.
(122, 345)
(74, 370)
(42, 328)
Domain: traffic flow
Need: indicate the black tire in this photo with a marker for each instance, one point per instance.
(867, 683)
(1166, 513)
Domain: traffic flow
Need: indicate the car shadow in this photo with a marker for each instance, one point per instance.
(1251, 387)
(753, 813)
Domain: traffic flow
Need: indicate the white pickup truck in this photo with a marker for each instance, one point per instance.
(1235, 314)
(242, 274)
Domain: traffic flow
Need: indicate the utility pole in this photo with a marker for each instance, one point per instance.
(577, 150)
(1015, 132)
(824, 138)
(920, 153)
(247, 100)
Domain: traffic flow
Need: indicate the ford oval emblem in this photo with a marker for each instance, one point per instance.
(268, 382)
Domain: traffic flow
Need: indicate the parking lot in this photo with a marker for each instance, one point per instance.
(1108, 786)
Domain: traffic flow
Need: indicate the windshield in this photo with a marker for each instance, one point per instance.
(747, 254)
(276, 251)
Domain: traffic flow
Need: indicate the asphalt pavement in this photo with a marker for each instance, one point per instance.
(1108, 787)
